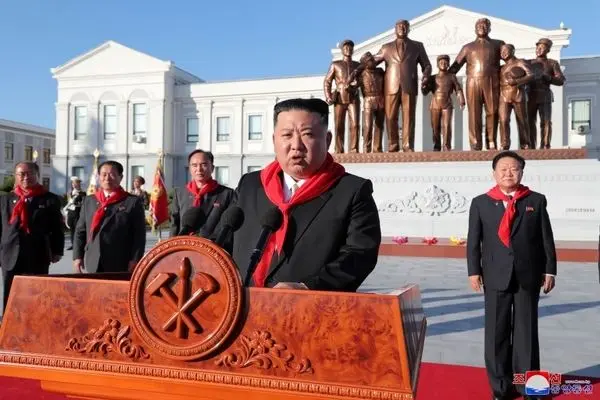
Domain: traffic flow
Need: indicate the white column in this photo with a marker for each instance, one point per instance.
(465, 119)
(419, 131)
(124, 128)
(62, 129)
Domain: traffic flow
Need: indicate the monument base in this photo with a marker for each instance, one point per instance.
(429, 194)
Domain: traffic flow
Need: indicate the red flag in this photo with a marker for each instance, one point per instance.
(159, 201)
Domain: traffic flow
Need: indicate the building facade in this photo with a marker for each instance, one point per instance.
(23, 142)
(130, 105)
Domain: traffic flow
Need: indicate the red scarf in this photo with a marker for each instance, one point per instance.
(20, 210)
(329, 173)
(198, 193)
(511, 209)
(104, 201)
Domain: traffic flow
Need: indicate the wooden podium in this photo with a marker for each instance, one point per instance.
(183, 327)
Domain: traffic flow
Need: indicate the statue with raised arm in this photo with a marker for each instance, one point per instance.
(482, 57)
(514, 74)
(345, 98)
(442, 85)
(402, 57)
(546, 72)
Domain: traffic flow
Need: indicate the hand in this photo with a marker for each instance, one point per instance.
(55, 258)
(78, 266)
(476, 282)
(290, 285)
(329, 100)
(461, 103)
(131, 265)
(548, 283)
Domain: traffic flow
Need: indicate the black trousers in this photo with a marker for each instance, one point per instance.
(511, 335)
(29, 262)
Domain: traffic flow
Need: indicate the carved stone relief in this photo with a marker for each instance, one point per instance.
(433, 201)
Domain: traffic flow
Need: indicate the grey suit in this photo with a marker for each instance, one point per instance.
(120, 239)
(213, 205)
(24, 254)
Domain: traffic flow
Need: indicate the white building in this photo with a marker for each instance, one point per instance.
(22, 142)
(129, 104)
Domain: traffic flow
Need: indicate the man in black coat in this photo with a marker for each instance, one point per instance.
(111, 231)
(330, 233)
(202, 191)
(32, 234)
(511, 253)
(73, 206)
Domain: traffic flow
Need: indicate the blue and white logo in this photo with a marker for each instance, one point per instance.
(537, 385)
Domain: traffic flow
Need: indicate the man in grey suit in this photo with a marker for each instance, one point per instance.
(202, 191)
(32, 235)
(111, 231)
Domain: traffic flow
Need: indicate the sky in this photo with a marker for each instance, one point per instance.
(225, 40)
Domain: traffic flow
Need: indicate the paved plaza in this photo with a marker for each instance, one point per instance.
(569, 316)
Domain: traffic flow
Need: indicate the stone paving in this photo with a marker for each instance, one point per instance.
(569, 316)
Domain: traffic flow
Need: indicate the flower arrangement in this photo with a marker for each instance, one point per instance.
(457, 241)
(400, 239)
(429, 240)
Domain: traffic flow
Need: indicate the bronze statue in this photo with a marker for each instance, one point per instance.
(401, 59)
(442, 85)
(345, 97)
(546, 72)
(482, 57)
(514, 74)
(370, 81)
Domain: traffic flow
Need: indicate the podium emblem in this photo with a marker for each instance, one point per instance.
(185, 298)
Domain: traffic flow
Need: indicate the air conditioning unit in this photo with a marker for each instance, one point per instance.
(139, 139)
(582, 129)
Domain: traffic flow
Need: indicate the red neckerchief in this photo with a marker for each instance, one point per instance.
(20, 210)
(505, 227)
(198, 193)
(115, 197)
(329, 173)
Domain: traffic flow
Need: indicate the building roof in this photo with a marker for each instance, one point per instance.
(5, 123)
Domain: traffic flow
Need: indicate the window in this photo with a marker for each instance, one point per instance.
(581, 114)
(139, 120)
(222, 175)
(223, 129)
(46, 183)
(80, 122)
(255, 127)
(137, 170)
(9, 151)
(191, 130)
(78, 172)
(28, 153)
(252, 168)
(46, 156)
(110, 122)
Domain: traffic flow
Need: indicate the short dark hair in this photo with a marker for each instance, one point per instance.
(508, 153)
(140, 178)
(208, 155)
(115, 164)
(311, 105)
(30, 164)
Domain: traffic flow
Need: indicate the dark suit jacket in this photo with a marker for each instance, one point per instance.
(401, 73)
(47, 236)
(332, 241)
(531, 253)
(120, 239)
(213, 205)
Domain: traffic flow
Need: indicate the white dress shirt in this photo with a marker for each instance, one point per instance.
(288, 186)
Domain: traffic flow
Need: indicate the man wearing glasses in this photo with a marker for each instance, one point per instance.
(31, 236)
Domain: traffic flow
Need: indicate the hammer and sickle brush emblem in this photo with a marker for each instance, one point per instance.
(183, 304)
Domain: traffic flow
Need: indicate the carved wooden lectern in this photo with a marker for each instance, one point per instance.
(182, 326)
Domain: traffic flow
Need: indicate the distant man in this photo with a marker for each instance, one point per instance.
(345, 98)
(73, 207)
(32, 234)
(513, 97)
(202, 191)
(330, 233)
(511, 254)
(547, 72)
(402, 56)
(482, 57)
(111, 231)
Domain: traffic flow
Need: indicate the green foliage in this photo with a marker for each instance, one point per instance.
(8, 184)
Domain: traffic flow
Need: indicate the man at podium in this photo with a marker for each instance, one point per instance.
(307, 222)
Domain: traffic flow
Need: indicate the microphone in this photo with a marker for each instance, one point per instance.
(231, 220)
(192, 220)
(270, 221)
